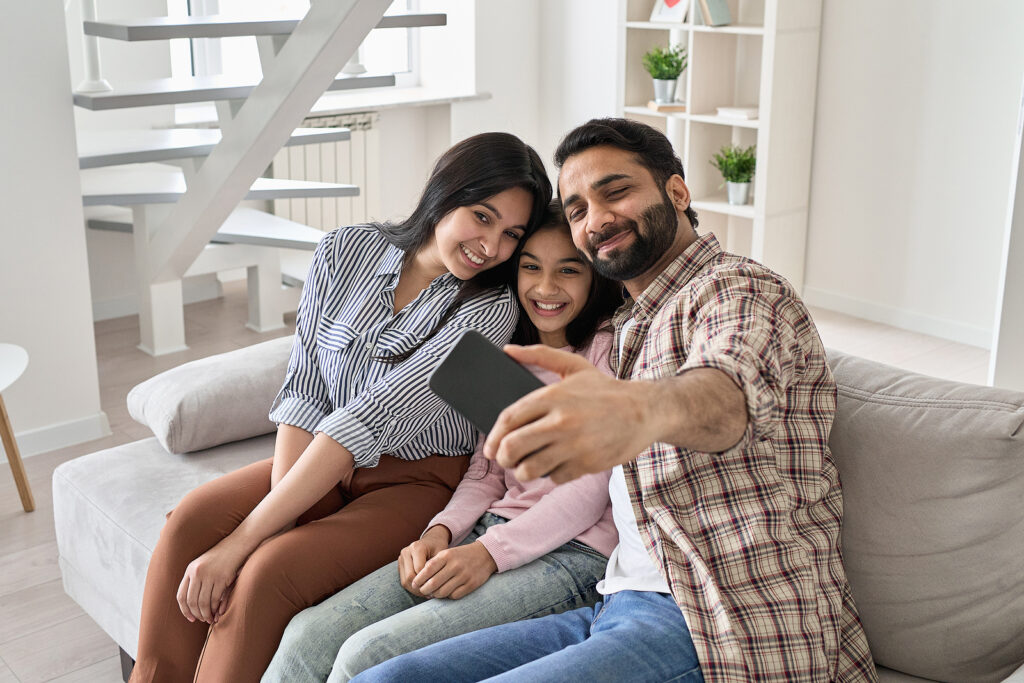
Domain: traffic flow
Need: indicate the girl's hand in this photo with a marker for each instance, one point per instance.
(456, 572)
(415, 555)
(203, 590)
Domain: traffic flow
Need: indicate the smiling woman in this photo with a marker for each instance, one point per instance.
(364, 448)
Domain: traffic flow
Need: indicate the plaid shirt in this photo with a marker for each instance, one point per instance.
(747, 539)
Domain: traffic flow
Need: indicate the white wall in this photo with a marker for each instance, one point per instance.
(913, 146)
(579, 53)
(45, 305)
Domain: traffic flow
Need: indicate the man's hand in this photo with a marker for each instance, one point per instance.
(415, 555)
(588, 422)
(456, 572)
(203, 590)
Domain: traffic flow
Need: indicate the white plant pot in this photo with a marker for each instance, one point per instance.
(664, 90)
(739, 193)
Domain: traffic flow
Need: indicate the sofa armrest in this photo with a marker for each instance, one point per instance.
(213, 400)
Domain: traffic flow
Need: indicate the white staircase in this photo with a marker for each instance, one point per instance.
(185, 218)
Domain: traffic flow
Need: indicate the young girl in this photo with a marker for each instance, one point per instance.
(537, 549)
(365, 453)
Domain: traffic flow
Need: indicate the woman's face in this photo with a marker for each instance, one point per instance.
(471, 239)
(553, 283)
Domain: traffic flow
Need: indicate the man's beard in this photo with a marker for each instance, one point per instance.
(660, 223)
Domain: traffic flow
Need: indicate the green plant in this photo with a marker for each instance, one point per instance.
(736, 163)
(665, 63)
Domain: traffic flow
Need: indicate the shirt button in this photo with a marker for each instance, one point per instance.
(368, 346)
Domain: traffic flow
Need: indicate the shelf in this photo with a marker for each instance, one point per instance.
(718, 204)
(644, 111)
(725, 121)
(658, 25)
(734, 29)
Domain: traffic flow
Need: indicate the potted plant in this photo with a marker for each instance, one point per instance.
(664, 65)
(736, 165)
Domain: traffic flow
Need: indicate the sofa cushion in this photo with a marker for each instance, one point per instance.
(213, 400)
(933, 531)
(108, 510)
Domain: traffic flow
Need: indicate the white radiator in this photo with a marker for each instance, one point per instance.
(355, 161)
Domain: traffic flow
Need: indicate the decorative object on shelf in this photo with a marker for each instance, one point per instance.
(664, 65)
(746, 113)
(666, 108)
(715, 12)
(670, 11)
(736, 165)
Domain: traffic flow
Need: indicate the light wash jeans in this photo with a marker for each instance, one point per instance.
(375, 619)
(635, 636)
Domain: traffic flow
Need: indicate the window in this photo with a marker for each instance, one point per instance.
(387, 51)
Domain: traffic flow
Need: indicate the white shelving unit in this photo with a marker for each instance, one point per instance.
(768, 58)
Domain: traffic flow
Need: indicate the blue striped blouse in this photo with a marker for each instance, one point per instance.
(345, 318)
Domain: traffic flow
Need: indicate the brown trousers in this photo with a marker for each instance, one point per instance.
(345, 536)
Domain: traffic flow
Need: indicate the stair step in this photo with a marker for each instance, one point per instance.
(183, 90)
(114, 147)
(162, 184)
(243, 226)
(225, 26)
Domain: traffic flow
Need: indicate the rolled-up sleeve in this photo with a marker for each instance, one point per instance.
(746, 329)
(394, 410)
(304, 400)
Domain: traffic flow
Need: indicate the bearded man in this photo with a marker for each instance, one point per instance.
(724, 492)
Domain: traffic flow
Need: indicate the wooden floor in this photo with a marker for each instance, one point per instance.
(44, 636)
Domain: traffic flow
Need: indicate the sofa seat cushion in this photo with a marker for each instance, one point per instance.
(933, 532)
(109, 508)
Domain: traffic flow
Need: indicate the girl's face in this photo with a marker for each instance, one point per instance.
(471, 239)
(553, 283)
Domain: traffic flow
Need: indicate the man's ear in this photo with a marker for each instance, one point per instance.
(678, 192)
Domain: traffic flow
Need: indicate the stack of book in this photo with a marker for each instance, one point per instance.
(666, 107)
(743, 113)
(714, 12)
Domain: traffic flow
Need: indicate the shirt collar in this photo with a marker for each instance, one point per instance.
(391, 267)
(676, 274)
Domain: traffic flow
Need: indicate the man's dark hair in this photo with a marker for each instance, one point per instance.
(652, 149)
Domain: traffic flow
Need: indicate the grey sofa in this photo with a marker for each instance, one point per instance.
(932, 471)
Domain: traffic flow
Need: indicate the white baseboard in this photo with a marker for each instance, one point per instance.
(944, 328)
(61, 435)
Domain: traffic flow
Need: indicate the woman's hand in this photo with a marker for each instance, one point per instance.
(203, 590)
(415, 555)
(456, 572)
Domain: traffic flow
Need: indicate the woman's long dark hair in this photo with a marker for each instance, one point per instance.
(471, 171)
(604, 297)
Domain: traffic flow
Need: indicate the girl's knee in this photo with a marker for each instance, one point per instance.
(363, 649)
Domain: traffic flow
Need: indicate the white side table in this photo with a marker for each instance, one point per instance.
(13, 361)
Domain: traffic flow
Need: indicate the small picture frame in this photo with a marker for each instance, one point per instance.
(670, 11)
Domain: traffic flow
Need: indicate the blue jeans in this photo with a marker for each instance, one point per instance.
(633, 636)
(375, 619)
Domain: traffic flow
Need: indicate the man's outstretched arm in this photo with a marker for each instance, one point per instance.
(590, 422)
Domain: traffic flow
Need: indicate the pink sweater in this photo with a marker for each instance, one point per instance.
(542, 516)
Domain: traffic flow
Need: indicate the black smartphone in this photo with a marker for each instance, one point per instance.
(480, 380)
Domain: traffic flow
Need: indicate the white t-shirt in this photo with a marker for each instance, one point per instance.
(630, 568)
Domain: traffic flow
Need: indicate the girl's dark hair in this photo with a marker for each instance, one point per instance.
(471, 171)
(603, 298)
(652, 149)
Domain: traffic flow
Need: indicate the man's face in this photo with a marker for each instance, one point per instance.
(621, 219)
